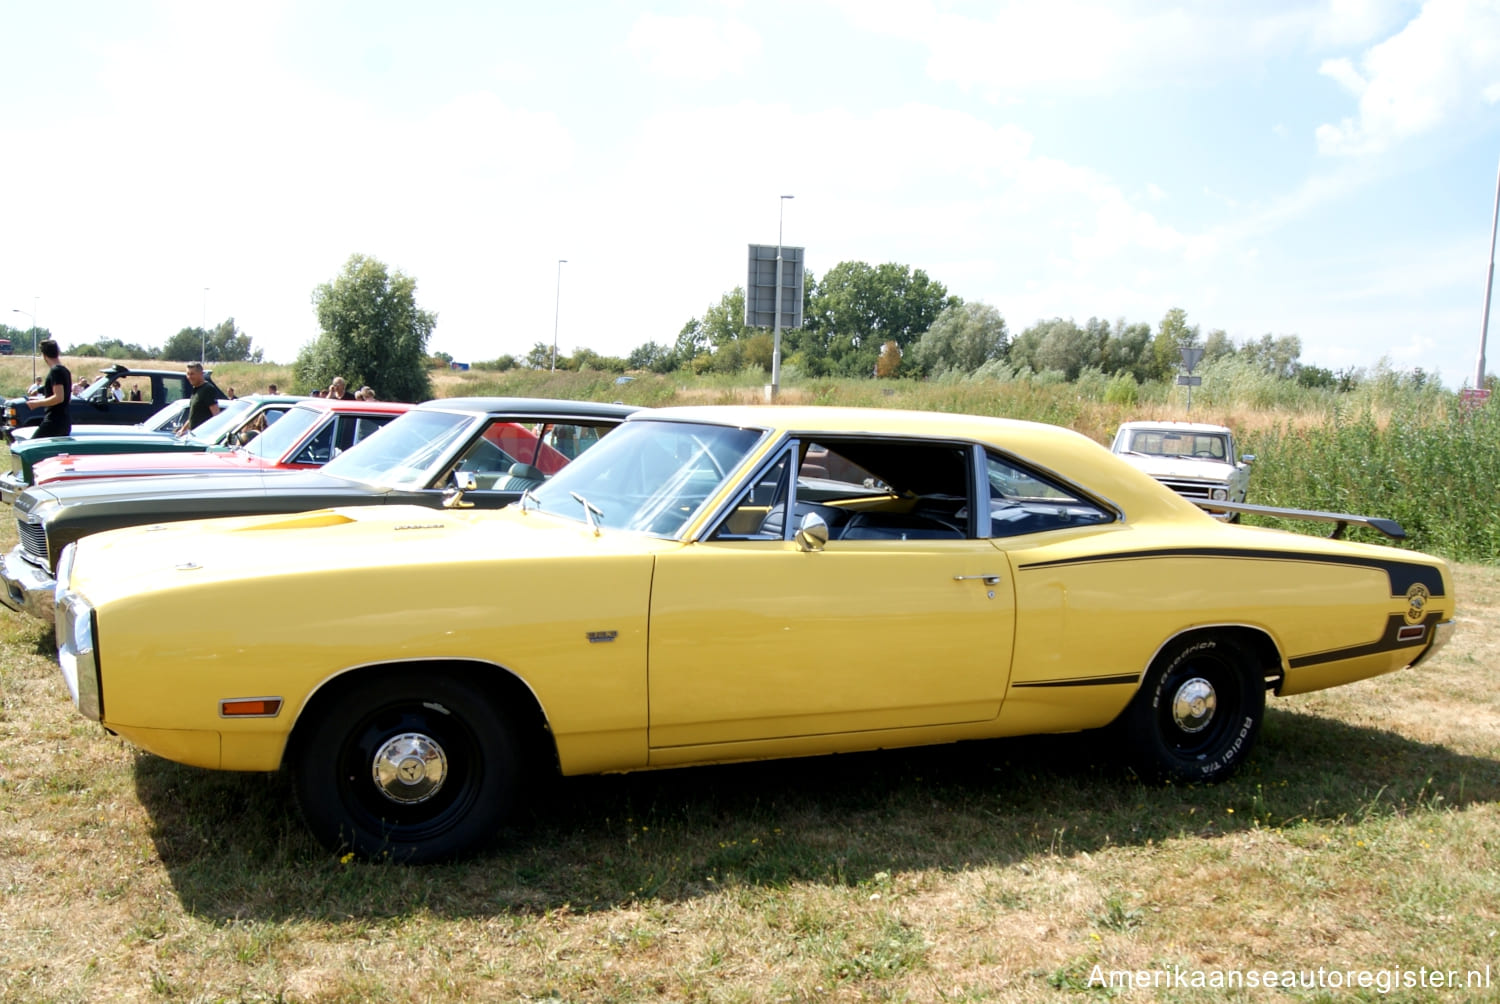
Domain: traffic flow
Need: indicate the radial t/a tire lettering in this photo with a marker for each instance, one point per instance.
(1197, 714)
(415, 769)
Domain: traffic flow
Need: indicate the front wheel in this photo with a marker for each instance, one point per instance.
(417, 770)
(1197, 714)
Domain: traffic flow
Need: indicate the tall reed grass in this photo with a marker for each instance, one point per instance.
(1394, 446)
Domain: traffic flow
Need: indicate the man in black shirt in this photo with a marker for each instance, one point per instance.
(56, 391)
(205, 402)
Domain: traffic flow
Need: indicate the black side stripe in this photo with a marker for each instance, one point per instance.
(1402, 574)
(1389, 642)
(1087, 681)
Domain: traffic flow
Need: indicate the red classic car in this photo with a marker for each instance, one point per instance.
(306, 436)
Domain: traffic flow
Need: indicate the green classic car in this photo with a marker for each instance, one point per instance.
(223, 431)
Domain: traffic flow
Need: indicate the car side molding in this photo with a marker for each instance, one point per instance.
(1389, 527)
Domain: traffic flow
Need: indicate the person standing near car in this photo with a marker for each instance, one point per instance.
(205, 400)
(56, 390)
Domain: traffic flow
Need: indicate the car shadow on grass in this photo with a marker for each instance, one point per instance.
(235, 847)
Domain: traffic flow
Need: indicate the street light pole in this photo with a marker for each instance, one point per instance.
(556, 309)
(776, 322)
(1489, 282)
(203, 331)
(32, 315)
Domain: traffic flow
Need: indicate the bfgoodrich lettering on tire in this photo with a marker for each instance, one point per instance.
(418, 769)
(1197, 713)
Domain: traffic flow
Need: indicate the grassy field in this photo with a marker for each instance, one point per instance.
(1362, 837)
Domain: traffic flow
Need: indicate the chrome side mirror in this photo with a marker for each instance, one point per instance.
(463, 481)
(812, 535)
(1247, 458)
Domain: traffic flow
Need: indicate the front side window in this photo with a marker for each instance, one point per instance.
(862, 489)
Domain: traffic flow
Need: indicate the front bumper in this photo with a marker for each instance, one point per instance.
(26, 588)
(10, 486)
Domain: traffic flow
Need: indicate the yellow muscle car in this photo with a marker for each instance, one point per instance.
(712, 584)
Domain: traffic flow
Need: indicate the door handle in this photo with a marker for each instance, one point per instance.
(989, 580)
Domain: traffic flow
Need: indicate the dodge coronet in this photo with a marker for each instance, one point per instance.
(717, 584)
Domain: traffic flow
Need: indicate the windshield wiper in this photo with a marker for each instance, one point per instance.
(589, 512)
(529, 494)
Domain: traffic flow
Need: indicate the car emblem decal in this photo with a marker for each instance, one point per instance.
(1416, 602)
(595, 637)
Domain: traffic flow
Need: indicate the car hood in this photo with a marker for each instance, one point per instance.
(69, 468)
(388, 542)
(1179, 468)
(185, 489)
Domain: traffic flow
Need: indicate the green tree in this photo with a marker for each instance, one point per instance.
(961, 339)
(373, 333)
(224, 343)
(1277, 355)
(113, 348)
(1128, 350)
(1217, 346)
(856, 307)
(540, 358)
(652, 356)
(1174, 335)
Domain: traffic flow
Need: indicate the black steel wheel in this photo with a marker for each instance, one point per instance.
(1198, 712)
(412, 769)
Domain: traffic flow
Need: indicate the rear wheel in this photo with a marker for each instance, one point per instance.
(414, 769)
(1197, 713)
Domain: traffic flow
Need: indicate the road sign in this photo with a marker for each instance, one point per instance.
(760, 289)
(1190, 357)
(1189, 381)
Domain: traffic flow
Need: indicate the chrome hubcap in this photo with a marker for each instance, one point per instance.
(410, 768)
(1193, 705)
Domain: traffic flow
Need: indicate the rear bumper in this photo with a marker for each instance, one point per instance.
(26, 588)
(1440, 635)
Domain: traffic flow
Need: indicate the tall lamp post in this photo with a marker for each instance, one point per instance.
(1489, 281)
(776, 322)
(31, 314)
(556, 309)
(203, 331)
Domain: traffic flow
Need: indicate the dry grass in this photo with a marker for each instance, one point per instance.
(1362, 836)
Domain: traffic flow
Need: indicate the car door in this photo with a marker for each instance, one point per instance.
(893, 624)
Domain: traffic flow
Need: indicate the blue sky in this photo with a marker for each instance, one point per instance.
(1320, 169)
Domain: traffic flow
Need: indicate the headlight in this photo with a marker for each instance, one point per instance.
(1221, 494)
(76, 654)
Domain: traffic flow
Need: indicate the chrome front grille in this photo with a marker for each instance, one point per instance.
(33, 541)
(1190, 489)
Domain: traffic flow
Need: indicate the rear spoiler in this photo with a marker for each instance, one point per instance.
(1389, 527)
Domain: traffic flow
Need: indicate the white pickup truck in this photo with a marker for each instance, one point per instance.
(1195, 460)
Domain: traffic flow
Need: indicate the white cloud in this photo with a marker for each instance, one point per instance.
(1439, 67)
(693, 47)
(1092, 45)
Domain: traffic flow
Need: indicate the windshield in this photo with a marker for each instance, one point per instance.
(288, 431)
(1165, 443)
(651, 476)
(407, 452)
(227, 420)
